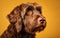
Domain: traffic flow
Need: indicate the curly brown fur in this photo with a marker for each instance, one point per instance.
(25, 20)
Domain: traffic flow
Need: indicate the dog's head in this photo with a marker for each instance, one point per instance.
(28, 16)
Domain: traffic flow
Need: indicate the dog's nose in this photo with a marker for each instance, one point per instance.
(42, 20)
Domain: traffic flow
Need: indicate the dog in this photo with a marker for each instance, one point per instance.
(25, 20)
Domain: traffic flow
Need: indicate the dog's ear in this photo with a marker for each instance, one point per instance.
(15, 18)
(14, 15)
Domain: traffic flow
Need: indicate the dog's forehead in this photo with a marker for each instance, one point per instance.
(36, 12)
(24, 6)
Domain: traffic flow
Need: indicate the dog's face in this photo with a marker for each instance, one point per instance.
(30, 16)
(34, 20)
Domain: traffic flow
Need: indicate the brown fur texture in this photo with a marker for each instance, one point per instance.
(25, 20)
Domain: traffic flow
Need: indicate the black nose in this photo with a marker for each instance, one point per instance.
(42, 20)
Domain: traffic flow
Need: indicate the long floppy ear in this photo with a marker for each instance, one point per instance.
(15, 18)
(13, 15)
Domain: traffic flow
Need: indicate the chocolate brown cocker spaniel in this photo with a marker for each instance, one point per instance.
(25, 20)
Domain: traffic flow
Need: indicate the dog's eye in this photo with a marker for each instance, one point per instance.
(38, 9)
(29, 10)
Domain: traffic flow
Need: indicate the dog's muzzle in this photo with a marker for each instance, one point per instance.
(41, 25)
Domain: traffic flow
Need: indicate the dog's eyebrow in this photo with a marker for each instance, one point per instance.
(39, 9)
(30, 8)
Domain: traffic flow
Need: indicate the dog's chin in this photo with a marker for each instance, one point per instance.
(38, 29)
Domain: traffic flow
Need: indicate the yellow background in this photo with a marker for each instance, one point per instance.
(50, 9)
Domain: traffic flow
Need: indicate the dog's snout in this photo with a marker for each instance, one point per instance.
(42, 20)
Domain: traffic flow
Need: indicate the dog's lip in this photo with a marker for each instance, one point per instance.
(38, 29)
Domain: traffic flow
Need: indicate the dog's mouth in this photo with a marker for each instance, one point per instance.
(40, 28)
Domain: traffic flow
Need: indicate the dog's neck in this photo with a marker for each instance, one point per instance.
(24, 34)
